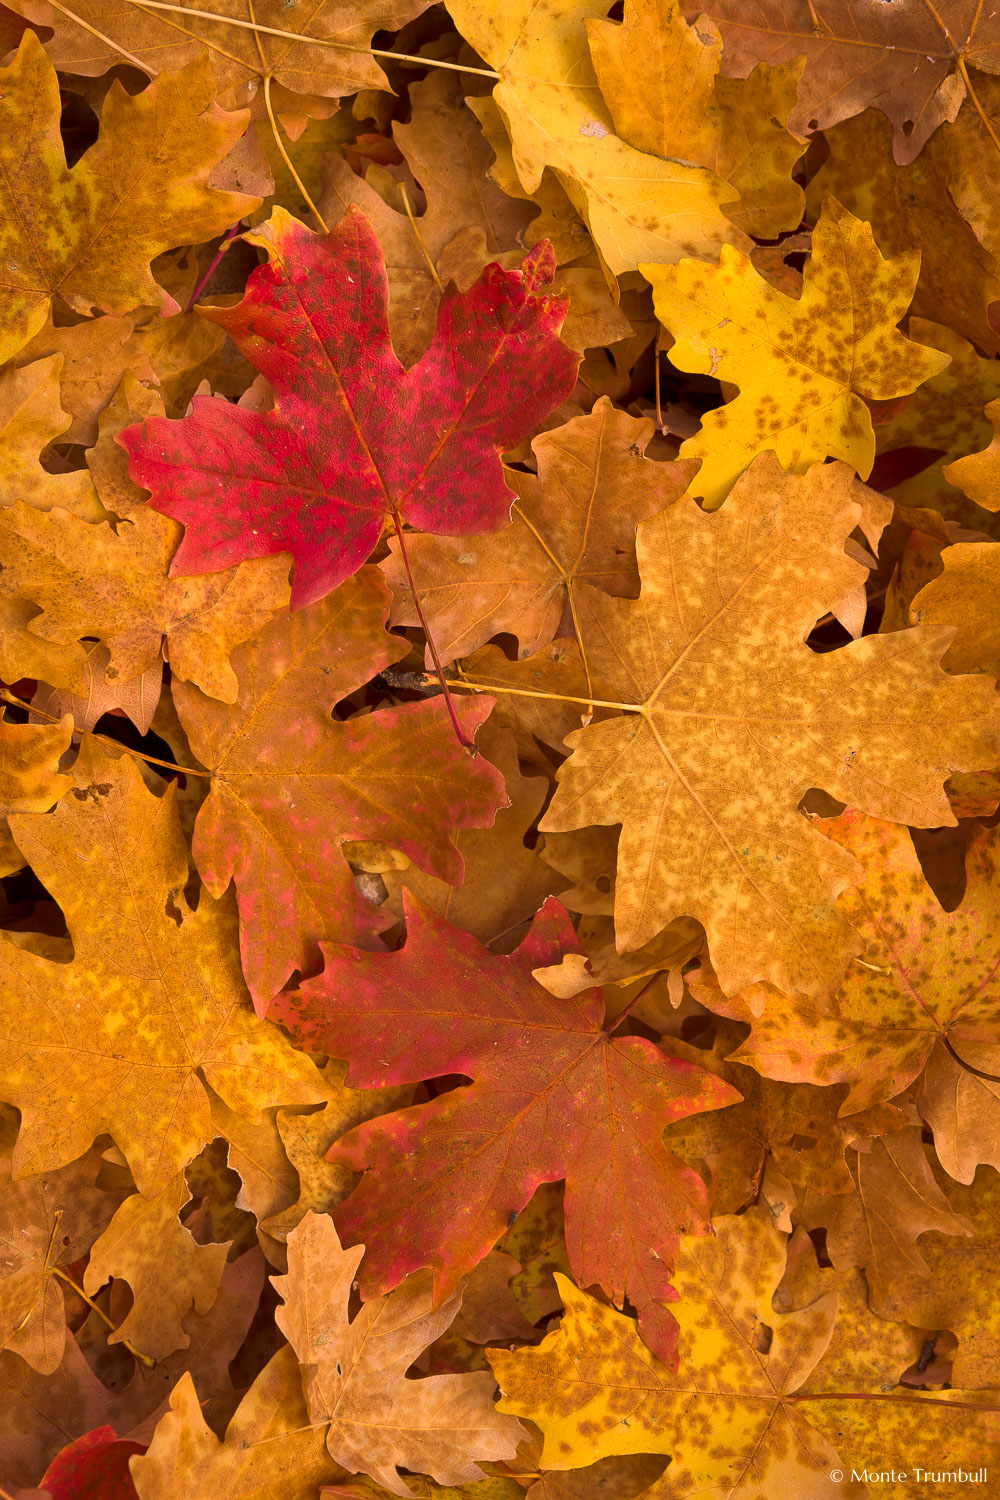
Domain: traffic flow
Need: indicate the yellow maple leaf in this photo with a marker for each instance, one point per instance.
(638, 207)
(659, 78)
(595, 1390)
(802, 366)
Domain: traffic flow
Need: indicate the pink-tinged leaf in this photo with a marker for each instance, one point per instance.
(554, 1095)
(353, 436)
(292, 782)
(94, 1467)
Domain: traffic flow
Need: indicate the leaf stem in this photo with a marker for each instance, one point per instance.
(969, 1068)
(419, 237)
(463, 740)
(485, 687)
(103, 739)
(224, 244)
(145, 1359)
(297, 36)
(287, 159)
(630, 1007)
(963, 70)
(889, 1396)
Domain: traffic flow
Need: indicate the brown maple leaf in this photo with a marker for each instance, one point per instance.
(573, 522)
(380, 1421)
(731, 718)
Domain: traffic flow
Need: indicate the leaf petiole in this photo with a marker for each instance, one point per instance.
(463, 739)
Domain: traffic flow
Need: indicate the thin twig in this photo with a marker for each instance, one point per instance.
(214, 263)
(495, 687)
(969, 1068)
(419, 237)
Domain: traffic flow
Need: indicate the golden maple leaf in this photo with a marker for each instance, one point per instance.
(152, 1011)
(802, 366)
(87, 233)
(595, 1390)
(637, 206)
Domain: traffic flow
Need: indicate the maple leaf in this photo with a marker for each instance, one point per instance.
(169, 1273)
(710, 828)
(316, 476)
(978, 474)
(894, 1201)
(30, 779)
(914, 205)
(954, 1289)
(901, 58)
(730, 126)
(307, 1138)
(111, 580)
(152, 1010)
(803, 365)
(287, 777)
(447, 1175)
(269, 1451)
(32, 417)
(926, 981)
(379, 1421)
(94, 355)
(96, 35)
(503, 882)
(94, 1464)
(595, 1390)
(574, 521)
(971, 573)
(636, 206)
(445, 151)
(87, 233)
(944, 416)
(32, 1316)
(794, 1127)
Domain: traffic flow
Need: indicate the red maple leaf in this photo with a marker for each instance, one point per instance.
(555, 1095)
(353, 436)
(95, 1464)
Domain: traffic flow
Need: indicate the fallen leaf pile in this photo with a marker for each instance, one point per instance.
(500, 750)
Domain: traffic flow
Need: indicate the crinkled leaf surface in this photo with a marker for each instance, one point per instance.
(554, 1094)
(317, 476)
(710, 822)
(291, 783)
